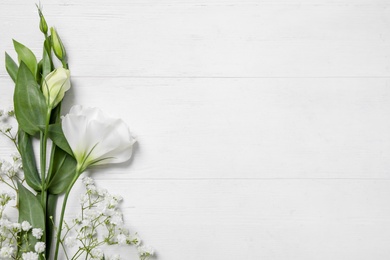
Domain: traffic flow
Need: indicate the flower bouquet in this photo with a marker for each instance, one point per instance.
(68, 146)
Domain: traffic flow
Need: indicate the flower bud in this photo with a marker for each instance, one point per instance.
(55, 85)
(42, 22)
(58, 47)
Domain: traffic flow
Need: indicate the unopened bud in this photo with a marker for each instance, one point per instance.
(43, 25)
(42, 22)
(58, 47)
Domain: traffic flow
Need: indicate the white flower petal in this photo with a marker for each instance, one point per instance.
(95, 138)
(74, 128)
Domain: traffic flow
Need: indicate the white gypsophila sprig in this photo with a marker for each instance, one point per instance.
(145, 252)
(30, 256)
(99, 224)
(7, 119)
(11, 171)
(14, 235)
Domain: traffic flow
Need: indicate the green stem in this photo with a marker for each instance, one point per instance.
(58, 239)
(64, 64)
(43, 143)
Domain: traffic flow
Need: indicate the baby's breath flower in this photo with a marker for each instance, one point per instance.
(5, 197)
(30, 256)
(5, 128)
(115, 257)
(100, 213)
(122, 239)
(37, 233)
(134, 239)
(88, 181)
(40, 247)
(116, 219)
(17, 161)
(101, 192)
(91, 189)
(6, 252)
(97, 254)
(10, 111)
(5, 167)
(26, 226)
(145, 252)
(70, 242)
(15, 227)
(84, 199)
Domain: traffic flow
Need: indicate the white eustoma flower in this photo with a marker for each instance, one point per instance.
(54, 86)
(96, 138)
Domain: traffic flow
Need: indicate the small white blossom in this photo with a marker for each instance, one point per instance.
(115, 257)
(30, 256)
(5, 197)
(85, 223)
(40, 247)
(15, 227)
(17, 162)
(26, 226)
(37, 233)
(134, 239)
(5, 167)
(122, 239)
(145, 251)
(10, 111)
(91, 189)
(88, 181)
(6, 252)
(84, 199)
(70, 242)
(101, 192)
(116, 219)
(97, 254)
(5, 128)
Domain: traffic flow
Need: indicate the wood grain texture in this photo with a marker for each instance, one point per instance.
(213, 39)
(262, 126)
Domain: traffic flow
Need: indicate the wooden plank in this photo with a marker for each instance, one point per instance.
(219, 39)
(258, 219)
(246, 128)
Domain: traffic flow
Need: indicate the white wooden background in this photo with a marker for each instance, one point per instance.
(262, 125)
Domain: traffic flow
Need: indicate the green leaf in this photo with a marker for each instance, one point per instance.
(30, 210)
(64, 170)
(26, 56)
(29, 102)
(57, 136)
(51, 210)
(11, 67)
(29, 165)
